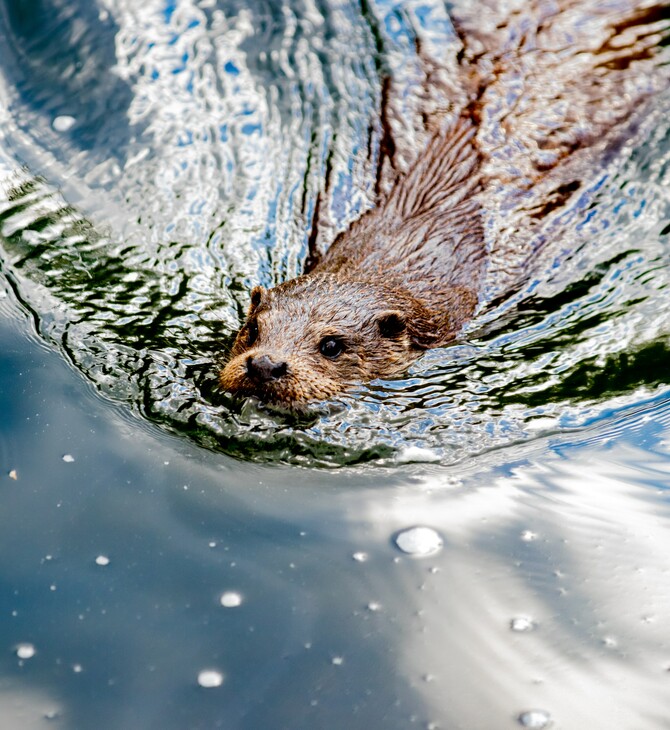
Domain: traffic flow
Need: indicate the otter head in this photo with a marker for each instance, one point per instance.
(316, 335)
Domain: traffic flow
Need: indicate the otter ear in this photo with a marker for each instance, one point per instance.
(256, 296)
(391, 323)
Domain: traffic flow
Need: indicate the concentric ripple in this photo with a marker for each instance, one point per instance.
(159, 159)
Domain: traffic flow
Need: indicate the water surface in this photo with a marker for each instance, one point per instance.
(159, 160)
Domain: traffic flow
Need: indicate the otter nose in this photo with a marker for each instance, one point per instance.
(263, 368)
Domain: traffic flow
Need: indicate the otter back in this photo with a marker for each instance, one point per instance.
(544, 94)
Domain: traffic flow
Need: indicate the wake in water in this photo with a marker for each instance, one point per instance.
(209, 146)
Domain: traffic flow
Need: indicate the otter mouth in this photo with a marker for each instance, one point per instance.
(278, 405)
(273, 381)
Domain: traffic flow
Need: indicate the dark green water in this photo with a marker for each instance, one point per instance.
(156, 161)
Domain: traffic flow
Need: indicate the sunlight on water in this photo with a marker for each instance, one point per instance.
(133, 230)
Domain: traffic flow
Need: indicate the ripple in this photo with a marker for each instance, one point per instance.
(234, 141)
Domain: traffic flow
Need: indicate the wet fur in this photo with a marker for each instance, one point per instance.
(410, 273)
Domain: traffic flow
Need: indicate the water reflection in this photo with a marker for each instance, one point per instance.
(337, 626)
(158, 159)
(189, 151)
(577, 548)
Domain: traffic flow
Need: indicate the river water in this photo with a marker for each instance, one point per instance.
(159, 159)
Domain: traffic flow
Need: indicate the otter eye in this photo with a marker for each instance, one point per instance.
(331, 347)
(252, 330)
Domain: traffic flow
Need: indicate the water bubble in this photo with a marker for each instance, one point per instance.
(535, 719)
(230, 599)
(522, 623)
(416, 453)
(360, 557)
(102, 560)
(25, 651)
(419, 541)
(63, 123)
(68, 458)
(529, 536)
(209, 678)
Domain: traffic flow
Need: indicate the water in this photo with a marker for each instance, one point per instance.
(172, 560)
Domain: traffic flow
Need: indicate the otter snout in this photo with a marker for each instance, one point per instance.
(262, 368)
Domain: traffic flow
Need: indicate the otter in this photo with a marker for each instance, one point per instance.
(409, 274)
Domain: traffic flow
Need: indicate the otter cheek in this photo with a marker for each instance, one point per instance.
(305, 383)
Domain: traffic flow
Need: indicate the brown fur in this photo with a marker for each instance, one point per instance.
(409, 273)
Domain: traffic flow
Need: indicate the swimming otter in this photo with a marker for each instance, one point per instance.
(408, 274)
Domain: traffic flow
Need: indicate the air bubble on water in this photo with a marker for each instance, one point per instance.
(360, 557)
(230, 599)
(211, 544)
(420, 541)
(416, 453)
(25, 651)
(63, 123)
(102, 560)
(209, 678)
(535, 719)
(68, 458)
(529, 536)
(522, 623)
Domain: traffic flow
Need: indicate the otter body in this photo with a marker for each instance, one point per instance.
(409, 274)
